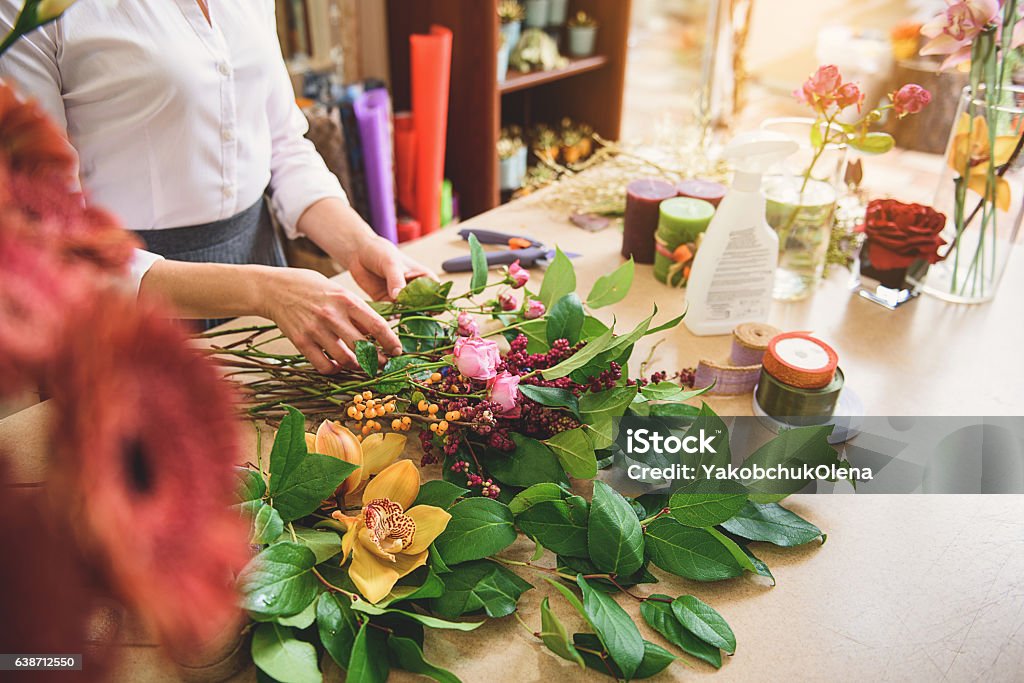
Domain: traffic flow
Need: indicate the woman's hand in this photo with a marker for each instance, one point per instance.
(381, 269)
(323, 319)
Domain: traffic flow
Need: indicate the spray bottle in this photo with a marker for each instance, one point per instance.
(731, 279)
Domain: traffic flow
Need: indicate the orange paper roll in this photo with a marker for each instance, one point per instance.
(431, 63)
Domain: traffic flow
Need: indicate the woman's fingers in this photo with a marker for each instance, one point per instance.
(372, 325)
(315, 355)
(335, 347)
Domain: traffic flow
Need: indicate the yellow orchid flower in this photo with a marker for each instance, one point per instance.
(972, 152)
(387, 540)
(372, 455)
(51, 9)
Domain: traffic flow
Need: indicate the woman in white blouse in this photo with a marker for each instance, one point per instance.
(183, 116)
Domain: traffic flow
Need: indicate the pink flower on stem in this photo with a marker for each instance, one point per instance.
(848, 95)
(467, 325)
(505, 392)
(910, 99)
(519, 275)
(476, 358)
(508, 301)
(534, 310)
(952, 32)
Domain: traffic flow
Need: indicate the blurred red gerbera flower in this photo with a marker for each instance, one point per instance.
(31, 144)
(145, 441)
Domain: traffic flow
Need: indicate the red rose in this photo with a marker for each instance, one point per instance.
(898, 233)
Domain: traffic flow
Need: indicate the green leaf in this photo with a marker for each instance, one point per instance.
(480, 585)
(580, 358)
(557, 525)
(369, 660)
(324, 543)
(570, 597)
(418, 335)
(609, 403)
(531, 463)
(614, 536)
(674, 410)
(251, 485)
(360, 605)
(278, 581)
(691, 553)
(537, 493)
(366, 354)
(704, 622)
(565, 319)
(575, 452)
(337, 626)
(406, 654)
(708, 422)
(479, 260)
(793, 448)
(602, 431)
(424, 292)
(670, 325)
(552, 397)
(581, 565)
(283, 657)
(669, 391)
(536, 334)
(612, 288)
(614, 627)
(303, 619)
(873, 143)
(559, 279)
(431, 587)
(707, 502)
(655, 659)
(554, 635)
(266, 525)
(289, 449)
(738, 554)
(661, 618)
(772, 523)
(307, 485)
(439, 493)
(479, 527)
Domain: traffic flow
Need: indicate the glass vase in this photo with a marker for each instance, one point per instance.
(981, 192)
(802, 214)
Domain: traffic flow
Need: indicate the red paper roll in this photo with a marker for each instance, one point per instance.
(405, 161)
(408, 229)
(707, 190)
(431, 63)
(799, 360)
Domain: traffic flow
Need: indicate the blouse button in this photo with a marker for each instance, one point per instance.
(224, 69)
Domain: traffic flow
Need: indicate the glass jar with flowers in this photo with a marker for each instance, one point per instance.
(982, 186)
(801, 205)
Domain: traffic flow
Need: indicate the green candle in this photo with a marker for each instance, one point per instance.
(680, 224)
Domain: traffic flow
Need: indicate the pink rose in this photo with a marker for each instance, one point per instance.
(534, 310)
(505, 392)
(848, 95)
(910, 99)
(518, 274)
(508, 301)
(467, 325)
(825, 80)
(476, 358)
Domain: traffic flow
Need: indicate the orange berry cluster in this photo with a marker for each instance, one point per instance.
(440, 426)
(365, 407)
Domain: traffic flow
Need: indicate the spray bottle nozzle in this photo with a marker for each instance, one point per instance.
(757, 151)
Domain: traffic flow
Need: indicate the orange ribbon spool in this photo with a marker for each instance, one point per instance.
(799, 360)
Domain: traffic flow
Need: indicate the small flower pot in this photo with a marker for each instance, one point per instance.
(512, 31)
(512, 171)
(537, 13)
(581, 40)
(503, 53)
(558, 10)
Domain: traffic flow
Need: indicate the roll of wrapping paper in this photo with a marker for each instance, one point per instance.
(643, 198)
(408, 229)
(405, 161)
(799, 360)
(750, 341)
(795, 405)
(373, 114)
(682, 221)
(431, 62)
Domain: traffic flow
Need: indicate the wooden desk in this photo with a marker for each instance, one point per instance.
(906, 588)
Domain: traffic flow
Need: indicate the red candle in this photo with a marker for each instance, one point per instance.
(707, 190)
(643, 197)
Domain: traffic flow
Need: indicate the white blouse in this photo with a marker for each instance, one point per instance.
(177, 121)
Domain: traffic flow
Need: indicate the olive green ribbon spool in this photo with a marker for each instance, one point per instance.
(795, 405)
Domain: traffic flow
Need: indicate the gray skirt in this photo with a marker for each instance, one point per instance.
(247, 237)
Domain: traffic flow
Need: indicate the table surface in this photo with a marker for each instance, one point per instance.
(906, 588)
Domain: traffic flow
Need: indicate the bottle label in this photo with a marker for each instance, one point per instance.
(742, 285)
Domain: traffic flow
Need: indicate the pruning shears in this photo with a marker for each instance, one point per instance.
(528, 252)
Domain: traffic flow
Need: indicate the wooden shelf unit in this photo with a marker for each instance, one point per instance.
(587, 90)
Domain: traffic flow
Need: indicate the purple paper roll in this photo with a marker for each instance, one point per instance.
(373, 113)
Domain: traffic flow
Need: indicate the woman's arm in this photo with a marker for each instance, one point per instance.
(318, 315)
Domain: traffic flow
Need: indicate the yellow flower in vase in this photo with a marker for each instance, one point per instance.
(972, 153)
(387, 540)
(372, 455)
